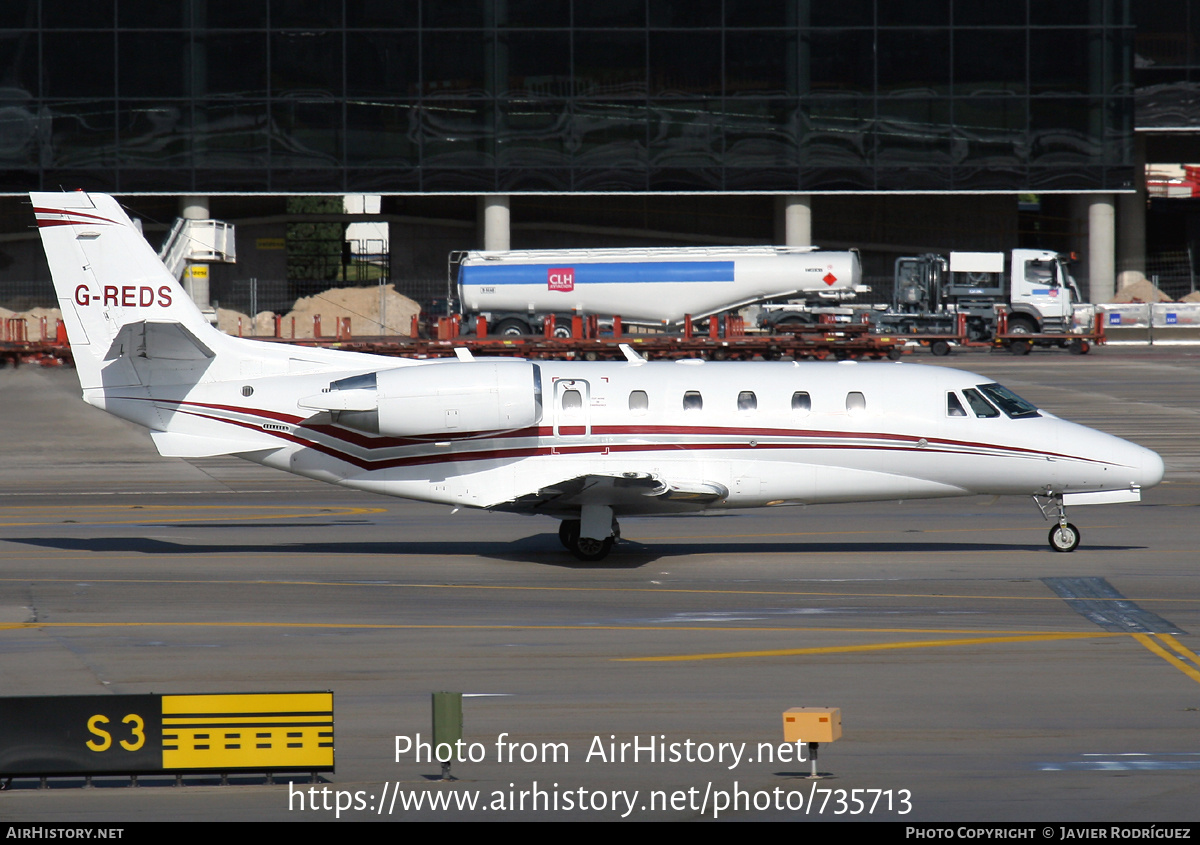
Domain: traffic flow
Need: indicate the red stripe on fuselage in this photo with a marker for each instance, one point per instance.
(543, 450)
(370, 441)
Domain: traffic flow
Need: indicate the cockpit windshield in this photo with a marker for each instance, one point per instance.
(1008, 402)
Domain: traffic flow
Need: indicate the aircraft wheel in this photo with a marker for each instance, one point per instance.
(939, 348)
(1064, 538)
(586, 548)
(511, 328)
(568, 533)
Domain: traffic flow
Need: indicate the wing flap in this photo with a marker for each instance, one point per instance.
(629, 492)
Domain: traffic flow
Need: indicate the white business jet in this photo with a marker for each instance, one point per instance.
(585, 443)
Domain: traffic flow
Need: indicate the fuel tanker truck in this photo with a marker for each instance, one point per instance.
(516, 289)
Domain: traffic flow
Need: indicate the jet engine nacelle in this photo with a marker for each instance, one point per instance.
(439, 400)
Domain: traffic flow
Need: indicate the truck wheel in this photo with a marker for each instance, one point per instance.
(894, 353)
(1021, 325)
(511, 328)
(1079, 347)
(1020, 347)
(790, 325)
(561, 332)
(940, 348)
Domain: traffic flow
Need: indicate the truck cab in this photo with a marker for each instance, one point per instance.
(1042, 293)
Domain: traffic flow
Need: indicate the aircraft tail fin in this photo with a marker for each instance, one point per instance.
(111, 286)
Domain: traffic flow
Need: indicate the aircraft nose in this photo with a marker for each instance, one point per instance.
(1150, 468)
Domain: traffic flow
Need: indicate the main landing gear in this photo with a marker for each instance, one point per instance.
(1064, 537)
(589, 549)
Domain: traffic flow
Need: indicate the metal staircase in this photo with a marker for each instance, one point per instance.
(198, 241)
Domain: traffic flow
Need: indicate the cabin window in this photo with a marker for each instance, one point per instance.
(693, 401)
(801, 402)
(979, 405)
(572, 402)
(639, 402)
(954, 408)
(747, 401)
(856, 403)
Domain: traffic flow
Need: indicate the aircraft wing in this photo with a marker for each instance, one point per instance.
(625, 493)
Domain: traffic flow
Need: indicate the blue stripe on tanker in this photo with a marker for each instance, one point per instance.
(598, 274)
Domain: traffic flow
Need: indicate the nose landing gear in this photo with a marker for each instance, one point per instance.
(1064, 537)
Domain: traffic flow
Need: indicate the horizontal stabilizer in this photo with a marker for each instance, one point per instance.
(172, 444)
(157, 341)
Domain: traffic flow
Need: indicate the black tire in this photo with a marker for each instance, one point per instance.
(568, 533)
(1064, 538)
(939, 348)
(894, 353)
(583, 548)
(511, 327)
(1021, 325)
(590, 550)
(1079, 347)
(1020, 347)
(789, 325)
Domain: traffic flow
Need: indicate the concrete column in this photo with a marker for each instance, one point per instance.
(493, 220)
(194, 208)
(1131, 212)
(793, 220)
(1102, 248)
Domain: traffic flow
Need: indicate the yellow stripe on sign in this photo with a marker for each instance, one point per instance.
(248, 731)
(258, 702)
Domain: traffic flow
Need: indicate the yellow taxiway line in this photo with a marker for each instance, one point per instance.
(557, 589)
(1153, 645)
(164, 513)
(850, 649)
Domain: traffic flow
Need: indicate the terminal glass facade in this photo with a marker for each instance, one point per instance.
(475, 96)
(1167, 65)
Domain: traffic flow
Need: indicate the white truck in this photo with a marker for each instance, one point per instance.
(516, 289)
(930, 292)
